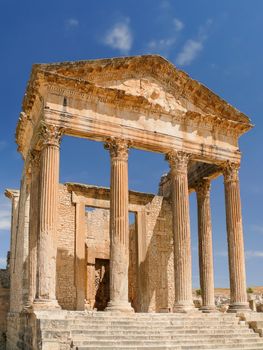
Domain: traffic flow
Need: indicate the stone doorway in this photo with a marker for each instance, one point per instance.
(102, 283)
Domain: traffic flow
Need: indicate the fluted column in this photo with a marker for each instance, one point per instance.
(33, 223)
(181, 231)
(47, 240)
(205, 246)
(236, 256)
(119, 226)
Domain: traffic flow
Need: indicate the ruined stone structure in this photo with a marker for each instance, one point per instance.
(66, 257)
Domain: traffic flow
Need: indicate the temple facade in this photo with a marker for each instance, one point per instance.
(72, 247)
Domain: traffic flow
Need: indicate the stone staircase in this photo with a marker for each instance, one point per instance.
(103, 330)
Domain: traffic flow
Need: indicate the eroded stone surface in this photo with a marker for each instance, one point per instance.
(62, 253)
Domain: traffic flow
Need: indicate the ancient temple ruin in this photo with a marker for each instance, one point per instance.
(65, 258)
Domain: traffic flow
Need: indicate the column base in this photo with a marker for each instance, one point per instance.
(239, 307)
(118, 306)
(45, 304)
(208, 309)
(184, 308)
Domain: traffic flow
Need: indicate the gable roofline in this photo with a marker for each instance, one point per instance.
(88, 73)
(175, 79)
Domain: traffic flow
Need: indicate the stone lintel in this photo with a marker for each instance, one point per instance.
(103, 193)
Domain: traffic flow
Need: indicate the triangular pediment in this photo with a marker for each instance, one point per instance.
(143, 93)
(151, 77)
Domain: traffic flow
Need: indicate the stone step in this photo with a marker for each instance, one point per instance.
(153, 331)
(173, 347)
(179, 337)
(152, 315)
(154, 324)
(97, 321)
(83, 325)
(200, 316)
(154, 319)
(161, 332)
(176, 342)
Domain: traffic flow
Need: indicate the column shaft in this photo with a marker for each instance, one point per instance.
(33, 224)
(181, 226)
(205, 246)
(47, 240)
(119, 226)
(236, 256)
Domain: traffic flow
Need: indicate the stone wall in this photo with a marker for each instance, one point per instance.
(154, 289)
(157, 270)
(4, 305)
(151, 273)
(66, 290)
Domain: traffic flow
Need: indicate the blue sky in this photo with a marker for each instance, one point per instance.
(217, 42)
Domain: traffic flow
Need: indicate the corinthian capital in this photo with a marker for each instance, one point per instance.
(230, 171)
(203, 188)
(178, 160)
(50, 135)
(119, 148)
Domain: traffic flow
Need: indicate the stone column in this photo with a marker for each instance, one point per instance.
(119, 226)
(205, 246)
(236, 258)
(33, 223)
(181, 231)
(47, 240)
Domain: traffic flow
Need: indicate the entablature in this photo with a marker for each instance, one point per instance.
(153, 112)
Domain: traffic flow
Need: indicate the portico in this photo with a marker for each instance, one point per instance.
(139, 102)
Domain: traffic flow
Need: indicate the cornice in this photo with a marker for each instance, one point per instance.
(218, 115)
(138, 104)
(175, 80)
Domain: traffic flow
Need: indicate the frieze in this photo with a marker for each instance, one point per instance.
(179, 76)
(154, 142)
(194, 119)
(218, 116)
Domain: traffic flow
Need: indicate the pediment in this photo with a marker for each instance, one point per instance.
(154, 92)
(149, 76)
(144, 85)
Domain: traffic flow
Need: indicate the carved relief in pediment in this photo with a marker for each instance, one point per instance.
(151, 90)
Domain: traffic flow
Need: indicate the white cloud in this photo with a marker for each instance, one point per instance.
(161, 46)
(254, 254)
(189, 52)
(120, 36)
(164, 46)
(72, 23)
(5, 213)
(178, 24)
(193, 47)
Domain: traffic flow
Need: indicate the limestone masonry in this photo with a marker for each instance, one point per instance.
(81, 276)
